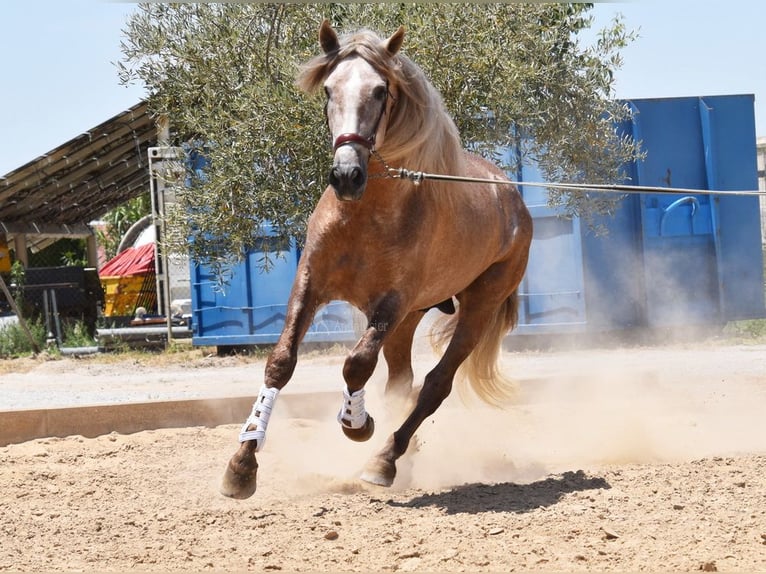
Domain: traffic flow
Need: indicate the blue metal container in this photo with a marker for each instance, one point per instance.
(668, 260)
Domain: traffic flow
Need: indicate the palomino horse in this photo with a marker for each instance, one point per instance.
(395, 249)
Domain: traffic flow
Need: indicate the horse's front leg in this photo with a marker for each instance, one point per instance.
(384, 317)
(239, 480)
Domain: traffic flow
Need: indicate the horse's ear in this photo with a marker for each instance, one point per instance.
(328, 39)
(393, 44)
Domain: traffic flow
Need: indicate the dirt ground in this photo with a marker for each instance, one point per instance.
(627, 459)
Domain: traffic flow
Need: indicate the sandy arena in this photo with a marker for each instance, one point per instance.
(626, 459)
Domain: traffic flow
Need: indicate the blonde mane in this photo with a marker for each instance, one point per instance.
(420, 134)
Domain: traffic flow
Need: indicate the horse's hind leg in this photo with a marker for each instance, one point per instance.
(239, 480)
(397, 352)
(381, 469)
(484, 300)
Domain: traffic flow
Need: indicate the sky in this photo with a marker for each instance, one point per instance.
(58, 78)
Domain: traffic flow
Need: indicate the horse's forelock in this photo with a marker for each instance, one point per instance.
(364, 43)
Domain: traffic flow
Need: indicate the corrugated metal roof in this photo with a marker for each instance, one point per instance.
(60, 192)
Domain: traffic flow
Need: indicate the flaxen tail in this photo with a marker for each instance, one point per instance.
(481, 369)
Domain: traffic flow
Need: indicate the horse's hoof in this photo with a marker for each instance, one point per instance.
(361, 434)
(239, 480)
(379, 472)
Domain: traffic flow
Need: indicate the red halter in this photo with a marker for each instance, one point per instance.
(348, 138)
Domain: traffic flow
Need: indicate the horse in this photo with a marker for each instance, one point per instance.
(395, 248)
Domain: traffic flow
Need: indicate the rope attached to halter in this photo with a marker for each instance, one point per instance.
(417, 177)
(259, 417)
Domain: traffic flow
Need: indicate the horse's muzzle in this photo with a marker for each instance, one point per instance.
(348, 181)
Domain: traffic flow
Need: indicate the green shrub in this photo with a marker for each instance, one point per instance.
(14, 341)
(75, 334)
(752, 329)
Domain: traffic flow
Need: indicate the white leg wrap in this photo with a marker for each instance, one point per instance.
(259, 417)
(352, 414)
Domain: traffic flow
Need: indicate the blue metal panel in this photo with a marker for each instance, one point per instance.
(728, 129)
(702, 254)
(614, 289)
(551, 294)
(680, 267)
(666, 259)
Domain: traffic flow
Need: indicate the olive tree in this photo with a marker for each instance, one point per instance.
(514, 76)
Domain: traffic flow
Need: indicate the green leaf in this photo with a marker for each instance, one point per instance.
(224, 74)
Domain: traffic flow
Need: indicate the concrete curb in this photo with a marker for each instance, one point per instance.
(96, 420)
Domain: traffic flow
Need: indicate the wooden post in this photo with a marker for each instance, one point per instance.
(92, 248)
(20, 249)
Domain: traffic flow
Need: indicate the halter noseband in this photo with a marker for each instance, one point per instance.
(351, 137)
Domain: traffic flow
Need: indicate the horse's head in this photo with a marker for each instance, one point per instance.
(358, 98)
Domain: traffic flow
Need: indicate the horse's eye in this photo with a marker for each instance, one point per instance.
(379, 93)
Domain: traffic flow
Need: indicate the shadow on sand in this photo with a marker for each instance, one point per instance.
(505, 497)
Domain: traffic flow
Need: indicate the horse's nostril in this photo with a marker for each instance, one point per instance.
(334, 176)
(357, 176)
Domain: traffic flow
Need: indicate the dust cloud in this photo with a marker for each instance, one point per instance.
(573, 410)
